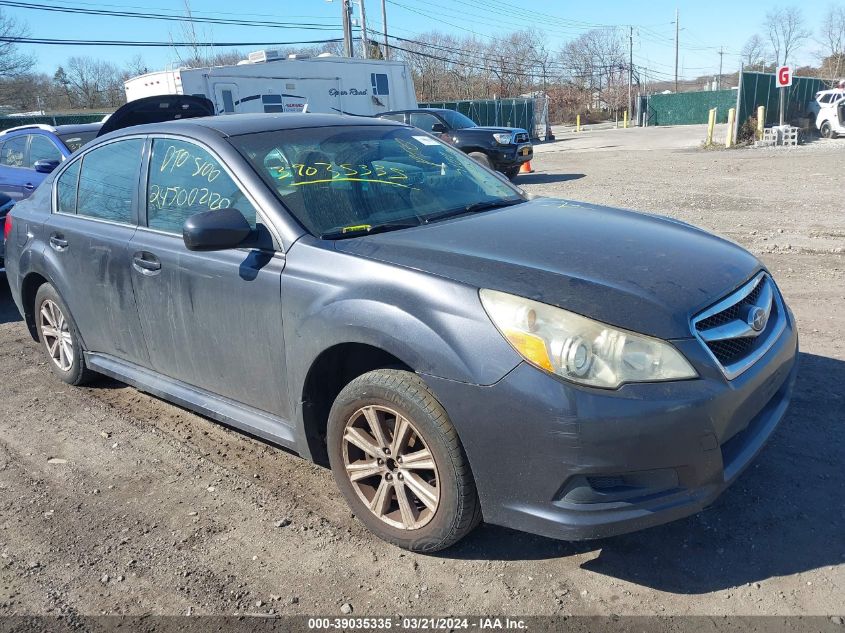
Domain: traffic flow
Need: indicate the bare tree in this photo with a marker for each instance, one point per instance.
(197, 54)
(597, 62)
(786, 32)
(12, 61)
(90, 83)
(754, 53)
(832, 38)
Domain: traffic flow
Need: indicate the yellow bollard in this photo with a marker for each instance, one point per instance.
(761, 122)
(729, 141)
(711, 124)
(578, 123)
(625, 120)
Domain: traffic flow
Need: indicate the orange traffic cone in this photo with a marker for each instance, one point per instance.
(526, 168)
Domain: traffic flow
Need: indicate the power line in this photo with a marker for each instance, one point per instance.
(72, 42)
(169, 18)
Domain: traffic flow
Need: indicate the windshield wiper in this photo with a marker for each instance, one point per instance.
(475, 207)
(366, 229)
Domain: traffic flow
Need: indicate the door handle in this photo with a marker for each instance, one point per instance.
(29, 186)
(146, 263)
(58, 242)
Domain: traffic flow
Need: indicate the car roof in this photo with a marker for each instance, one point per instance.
(238, 124)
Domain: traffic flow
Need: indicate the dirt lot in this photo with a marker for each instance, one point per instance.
(114, 502)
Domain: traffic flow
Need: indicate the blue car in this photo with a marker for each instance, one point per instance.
(28, 153)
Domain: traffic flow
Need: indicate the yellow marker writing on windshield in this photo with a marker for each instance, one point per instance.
(357, 227)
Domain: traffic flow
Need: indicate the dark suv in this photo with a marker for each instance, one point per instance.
(501, 148)
(29, 152)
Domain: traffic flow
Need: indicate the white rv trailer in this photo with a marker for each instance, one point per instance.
(267, 82)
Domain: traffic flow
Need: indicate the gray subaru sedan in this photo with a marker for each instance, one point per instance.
(358, 292)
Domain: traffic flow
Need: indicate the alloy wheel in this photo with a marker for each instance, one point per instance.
(55, 330)
(390, 467)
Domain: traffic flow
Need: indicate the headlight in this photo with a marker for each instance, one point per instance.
(580, 349)
(503, 138)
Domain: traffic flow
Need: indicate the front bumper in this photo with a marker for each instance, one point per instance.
(512, 156)
(578, 463)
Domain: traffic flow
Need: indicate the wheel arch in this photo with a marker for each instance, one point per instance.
(333, 369)
(29, 288)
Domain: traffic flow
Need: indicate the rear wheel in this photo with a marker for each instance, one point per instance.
(826, 130)
(59, 336)
(398, 461)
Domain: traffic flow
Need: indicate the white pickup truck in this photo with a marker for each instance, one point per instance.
(827, 108)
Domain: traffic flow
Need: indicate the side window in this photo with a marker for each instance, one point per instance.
(108, 181)
(395, 117)
(272, 103)
(13, 151)
(379, 82)
(66, 188)
(423, 120)
(185, 179)
(42, 148)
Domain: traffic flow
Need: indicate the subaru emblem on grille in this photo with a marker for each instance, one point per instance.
(757, 319)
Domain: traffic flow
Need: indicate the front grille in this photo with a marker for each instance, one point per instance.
(727, 328)
(520, 137)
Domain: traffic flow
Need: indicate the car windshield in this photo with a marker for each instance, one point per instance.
(456, 120)
(349, 178)
(73, 141)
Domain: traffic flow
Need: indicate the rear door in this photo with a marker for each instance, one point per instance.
(212, 320)
(95, 215)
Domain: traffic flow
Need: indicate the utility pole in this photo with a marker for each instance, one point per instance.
(365, 41)
(346, 5)
(384, 28)
(677, 32)
(630, 70)
(721, 54)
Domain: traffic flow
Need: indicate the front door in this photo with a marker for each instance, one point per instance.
(88, 236)
(211, 320)
(13, 172)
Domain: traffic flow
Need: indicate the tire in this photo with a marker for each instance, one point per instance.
(512, 173)
(826, 130)
(481, 158)
(436, 514)
(66, 359)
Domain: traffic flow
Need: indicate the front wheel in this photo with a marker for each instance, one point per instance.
(481, 158)
(399, 464)
(826, 130)
(512, 173)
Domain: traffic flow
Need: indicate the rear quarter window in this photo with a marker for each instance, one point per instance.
(66, 188)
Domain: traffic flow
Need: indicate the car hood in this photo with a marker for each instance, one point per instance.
(632, 270)
(492, 129)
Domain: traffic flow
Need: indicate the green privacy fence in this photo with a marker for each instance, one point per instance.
(686, 108)
(759, 89)
(60, 119)
(504, 112)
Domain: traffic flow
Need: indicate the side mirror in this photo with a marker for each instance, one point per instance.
(45, 166)
(439, 128)
(215, 230)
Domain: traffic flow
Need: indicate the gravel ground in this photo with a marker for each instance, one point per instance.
(115, 502)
